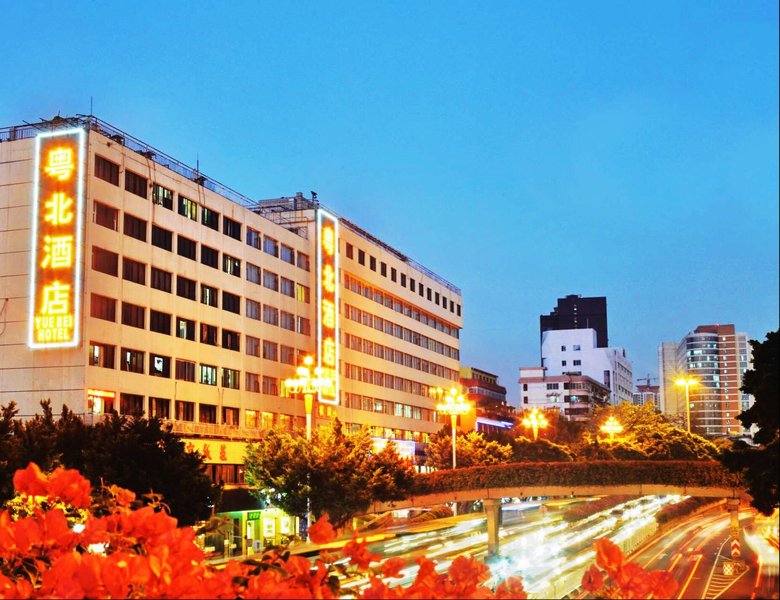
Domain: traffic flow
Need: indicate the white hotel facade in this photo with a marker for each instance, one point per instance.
(129, 281)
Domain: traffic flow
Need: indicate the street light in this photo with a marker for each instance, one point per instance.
(535, 421)
(687, 382)
(612, 426)
(307, 385)
(454, 404)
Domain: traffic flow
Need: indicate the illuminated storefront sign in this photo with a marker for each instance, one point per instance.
(55, 267)
(328, 304)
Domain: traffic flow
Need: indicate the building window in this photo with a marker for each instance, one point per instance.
(271, 280)
(287, 321)
(209, 256)
(270, 350)
(104, 215)
(106, 170)
(162, 196)
(412, 284)
(162, 238)
(230, 415)
(188, 208)
(101, 355)
(159, 322)
(428, 294)
(577, 363)
(361, 257)
(185, 411)
(209, 218)
(251, 418)
(161, 280)
(252, 382)
(185, 329)
(102, 307)
(185, 287)
(208, 334)
(208, 374)
(231, 302)
(231, 265)
(185, 370)
(207, 413)
(270, 246)
(252, 309)
(302, 260)
(231, 340)
(383, 269)
(231, 378)
(209, 295)
(286, 355)
(270, 385)
(270, 314)
(253, 273)
(563, 348)
(134, 227)
(303, 325)
(525, 387)
(133, 270)
(132, 360)
(302, 293)
(160, 408)
(133, 315)
(287, 254)
(287, 287)
(349, 250)
(252, 346)
(576, 347)
(105, 261)
(372, 263)
(253, 238)
(563, 363)
(135, 184)
(186, 247)
(403, 280)
(159, 366)
(231, 228)
(131, 404)
(552, 386)
(393, 273)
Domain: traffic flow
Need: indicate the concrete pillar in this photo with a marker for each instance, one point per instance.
(733, 507)
(493, 514)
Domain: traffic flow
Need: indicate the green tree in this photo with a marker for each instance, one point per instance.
(760, 465)
(472, 449)
(339, 473)
(540, 450)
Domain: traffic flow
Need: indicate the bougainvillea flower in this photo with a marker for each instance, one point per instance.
(322, 531)
(608, 556)
(31, 481)
(71, 487)
(511, 588)
(392, 567)
(358, 553)
(592, 579)
(663, 584)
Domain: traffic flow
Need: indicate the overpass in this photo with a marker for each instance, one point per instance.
(595, 478)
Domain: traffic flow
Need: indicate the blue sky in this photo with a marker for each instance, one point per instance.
(522, 150)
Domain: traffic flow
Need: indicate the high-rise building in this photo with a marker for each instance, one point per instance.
(671, 402)
(575, 351)
(132, 282)
(576, 312)
(488, 398)
(647, 394)
(716, 356)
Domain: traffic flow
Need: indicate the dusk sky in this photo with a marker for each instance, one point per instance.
(521, 150)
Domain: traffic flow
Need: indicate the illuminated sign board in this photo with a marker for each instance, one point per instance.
(55, 257)
(328, 304)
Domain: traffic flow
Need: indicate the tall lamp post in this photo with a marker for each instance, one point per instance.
(454, 405)
(687, 382)
(535, 421)
(308, 381)
(611, 427)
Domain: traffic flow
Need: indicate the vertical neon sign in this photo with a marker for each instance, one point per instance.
(328, 304)
(55, 256)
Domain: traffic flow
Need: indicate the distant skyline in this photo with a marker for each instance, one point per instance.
(523, 151)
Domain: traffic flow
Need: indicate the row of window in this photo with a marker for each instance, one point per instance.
(388, 407)
(107, 262)
(396, 356)
(138, 185)
(389, 433)
(431, 295)
(398, 305)
(387, 380)
(353, 313)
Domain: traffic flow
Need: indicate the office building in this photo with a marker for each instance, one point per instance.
(576, 312)
(488, 397)
(573, 395)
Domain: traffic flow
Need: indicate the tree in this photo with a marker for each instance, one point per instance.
(472, 450)
(540, 450)
(142, 455)
(760, 465)
(339, 474)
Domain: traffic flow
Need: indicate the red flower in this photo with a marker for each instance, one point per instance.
(322, 531)
(71, 487)
(31, 481)
(358, 553)
(609, 556)
(392, 567)
(511, 588)
(663, 584)
(592, 579)
(633, 581)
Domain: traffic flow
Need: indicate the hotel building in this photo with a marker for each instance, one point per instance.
(131, 282)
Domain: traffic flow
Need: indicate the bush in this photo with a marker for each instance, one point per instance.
(683, 508)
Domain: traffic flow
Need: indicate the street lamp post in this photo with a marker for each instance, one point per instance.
(612, 426)
(308, 381)
(687, 382)
(454, 405)
(535, 421)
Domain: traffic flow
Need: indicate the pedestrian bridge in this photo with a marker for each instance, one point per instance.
(594, 478)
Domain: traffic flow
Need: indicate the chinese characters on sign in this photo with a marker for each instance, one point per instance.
(327, 304)
(55, 292)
